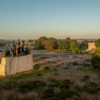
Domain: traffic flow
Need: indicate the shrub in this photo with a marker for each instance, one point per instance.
(44, 67)
(95, 60)
(47, 94)
(85, 78)
(35, 64)
(97, 43)
(91, 87)
(78, 88)
(9, 85)
(65, 93)
(24, 87)
(75, 63)
(60, 83)
(75, 49)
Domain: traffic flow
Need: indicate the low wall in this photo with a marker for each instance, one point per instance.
(11, 65)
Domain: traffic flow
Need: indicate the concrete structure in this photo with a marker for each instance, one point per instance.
(91, 46)
(12, 65)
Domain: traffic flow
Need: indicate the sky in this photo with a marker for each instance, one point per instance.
(31, 19)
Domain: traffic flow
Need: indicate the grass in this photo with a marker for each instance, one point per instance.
(88, 69)
(23, 76)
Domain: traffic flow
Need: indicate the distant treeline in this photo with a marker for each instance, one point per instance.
(61, 45)
(2, 44)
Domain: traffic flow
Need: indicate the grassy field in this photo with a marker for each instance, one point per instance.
(56, 76)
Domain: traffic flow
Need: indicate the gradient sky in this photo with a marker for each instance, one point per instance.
(31, 19)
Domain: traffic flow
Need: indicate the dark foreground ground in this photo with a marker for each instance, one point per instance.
(55, 76)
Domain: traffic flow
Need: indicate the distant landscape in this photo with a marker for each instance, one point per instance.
(49, 49)
(61, 71)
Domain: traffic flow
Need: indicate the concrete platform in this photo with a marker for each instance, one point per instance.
(12, 65)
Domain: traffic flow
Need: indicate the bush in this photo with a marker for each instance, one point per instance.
(43, 67)
(66, 93)
(95, 60)
(91, 87)
(9, 85)
(27, 86)
(60, 83)
(85, 78)
(75, 63)
(47, 94)
(75, 49)
(97, 43)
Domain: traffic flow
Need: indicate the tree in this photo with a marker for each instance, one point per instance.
(64, 45)
(59, 44)
(54, 41)
(42, 39)
(37, 45)
(49, 44)
(75, 49)
(68, 40)
(97, 43)
(30, 40)
(83, 45)
(74, 45)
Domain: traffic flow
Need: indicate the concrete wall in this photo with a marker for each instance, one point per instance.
(91, 45)
(11, 65)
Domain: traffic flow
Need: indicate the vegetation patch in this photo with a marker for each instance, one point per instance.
(76, 75)
(60, 83)
(88, 60)
(44, 67)
(47, 94)
(67, 93)
(85, 78)
(75, 63)
(66, 68)
(92, 88)
(36, 66)
(88, 69)
(43, 57)
(24, 87)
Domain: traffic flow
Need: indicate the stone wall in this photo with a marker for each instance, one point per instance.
(11, 65)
